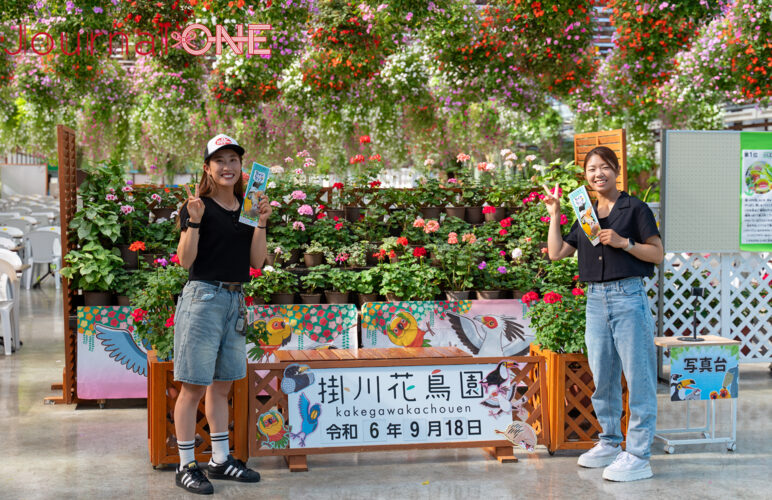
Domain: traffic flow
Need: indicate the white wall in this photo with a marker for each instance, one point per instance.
(23, 179)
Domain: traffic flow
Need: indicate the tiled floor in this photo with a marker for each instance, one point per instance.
(53, 452)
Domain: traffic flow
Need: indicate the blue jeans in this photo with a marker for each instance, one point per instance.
(207, 346)
(620, 337)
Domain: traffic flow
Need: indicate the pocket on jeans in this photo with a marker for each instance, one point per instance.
(203, 295)
(631, 288)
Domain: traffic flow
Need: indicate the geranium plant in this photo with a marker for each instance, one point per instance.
(270, 280)
(558, 320)
(409, 279)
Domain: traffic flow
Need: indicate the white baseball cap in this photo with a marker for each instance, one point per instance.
(221, 141)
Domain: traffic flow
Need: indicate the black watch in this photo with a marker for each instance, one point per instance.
(194, 225)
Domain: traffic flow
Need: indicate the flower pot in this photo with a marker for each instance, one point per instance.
(283, 298)
(517, 294)
(270, 259)
(431, 212)
(391, 297)
(162, 212)
(458, 294)
(458, 212)
(490, 294)
(474, 215)
(313, 259)
(98, 298)
(130, 259)
(353, 213)
(336, 297)
(311, 298)
(364, 298)
(498, 215)
(335, 213)
(123, 300)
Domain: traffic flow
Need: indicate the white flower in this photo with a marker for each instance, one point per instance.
(511, 156)
(508, 164)
(160, 220)
(490, 167)
(517, 253)
(288, 159)
(268, 269)
(271, 185)
(530, 158)
(277, 169)
(428, 162)
(505, 152)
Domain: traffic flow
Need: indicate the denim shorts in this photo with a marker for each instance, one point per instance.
(207, 346)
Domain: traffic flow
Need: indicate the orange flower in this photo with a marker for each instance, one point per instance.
(402, 241)
(137, 246)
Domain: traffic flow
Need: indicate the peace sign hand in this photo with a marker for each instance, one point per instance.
(195, 205)
(552, 200)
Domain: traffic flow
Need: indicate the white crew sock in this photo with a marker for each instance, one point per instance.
(187, 452)
(220, 448)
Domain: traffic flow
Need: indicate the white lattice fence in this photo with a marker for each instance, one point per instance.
(736, 301)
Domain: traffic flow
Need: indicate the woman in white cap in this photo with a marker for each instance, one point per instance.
(210, 320)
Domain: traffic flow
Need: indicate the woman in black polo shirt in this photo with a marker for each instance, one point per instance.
(620, 327)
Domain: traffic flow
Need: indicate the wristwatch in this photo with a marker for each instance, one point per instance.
(630, 244)
(194, 225)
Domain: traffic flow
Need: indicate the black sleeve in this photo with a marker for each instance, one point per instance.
(645, 223)
(572, 238)
(184, 217)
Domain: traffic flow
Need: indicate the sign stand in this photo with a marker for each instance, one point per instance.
(708, 431)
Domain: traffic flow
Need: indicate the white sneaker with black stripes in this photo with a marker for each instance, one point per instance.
(233, 469)
(193, 479)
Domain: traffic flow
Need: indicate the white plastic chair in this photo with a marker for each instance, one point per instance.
(9, 307)
(46, 249)
(9, 214)
(22, 209)
(25, 255)
(7, 243)
(44, 217)
(22, 224)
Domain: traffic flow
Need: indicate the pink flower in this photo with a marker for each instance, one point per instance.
(489, 209)
(298, 195)
(452, 180)
(111, 197)
(544, 219)
(503, 232)
(563, 219)
(431, 226)
(342, 257)
(299, 171)
(419, 222)
(127, 209)
(275, 204)
(544, 250)
(462, 157)
(170, 321)
(502, 253)
(305, 210)
(298, 226)
(482, 166)
(501, 269)
(155, 197)
(482, 265)
(288, 159)
(469, 238)
(452, 238)
(127, 189)
(161, 261)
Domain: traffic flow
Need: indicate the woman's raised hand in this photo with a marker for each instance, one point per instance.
(195, 205)
(552, 200)
(264, 209)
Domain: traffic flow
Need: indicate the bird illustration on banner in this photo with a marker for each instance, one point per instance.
(119, 343)
(310, 415)
(403, 331)
(520, 434)
(490, 335)
(271, 425)
(503, 401)
(296, 378)
(679, 387)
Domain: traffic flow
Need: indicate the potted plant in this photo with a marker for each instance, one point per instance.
(93, 269)
(314, 283)
(154, 307)
(336, 201)
(331, 232)
(350, 256)
(352, 203)
(314, 254)
(431, 197)
(473, 197)
(367, 285)
(408, 279)
(455, 206)
(492, 279)
(273, 285)
(342, 283)
(162, 203)
(273, 249)
(160, 238)
(129, 283)
(371, 227)
(457, 262)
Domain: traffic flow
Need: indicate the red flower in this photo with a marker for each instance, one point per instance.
(380, 254)
(137, 246)
(336, 218)
(175, 259)
(392, 254)
(506, 222)
(170, 321)
(375, 157)
(489, 210)
(364, 139)
(503, 232)
(419, 252)
(337, 185)
(255, 273)
(402, 241)
(530, 297)
(339, 226)
(248, 300)
(321, 215)
(138, 314)
(356, 159)
(375, 184)
(576, 277)
(577, 292)
(552, 297)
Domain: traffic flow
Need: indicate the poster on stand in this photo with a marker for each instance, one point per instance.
(704, 372)
(756, 191)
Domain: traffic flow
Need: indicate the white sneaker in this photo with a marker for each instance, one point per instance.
(628, 467)
(602, 454)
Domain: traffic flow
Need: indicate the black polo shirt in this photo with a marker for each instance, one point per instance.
(224, 244)
(630, 218)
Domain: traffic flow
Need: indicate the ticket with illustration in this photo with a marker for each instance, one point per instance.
(585, 213)
(258, 180)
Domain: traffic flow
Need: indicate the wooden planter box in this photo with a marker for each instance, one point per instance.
(572, 421)
(162, 393)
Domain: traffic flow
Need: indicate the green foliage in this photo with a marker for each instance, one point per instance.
(92, 268)
(409, 279)
(317, 279)
(368, 281)
(271, 280)
(96, 222)
(343, 281)
(560, 325)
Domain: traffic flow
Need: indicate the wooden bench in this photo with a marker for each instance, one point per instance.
(266, 399)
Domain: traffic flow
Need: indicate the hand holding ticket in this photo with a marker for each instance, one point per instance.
(585, 214)
(254, 197)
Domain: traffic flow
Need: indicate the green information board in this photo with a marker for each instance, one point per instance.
(756, 191)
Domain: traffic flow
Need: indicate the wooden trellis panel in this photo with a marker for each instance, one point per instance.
(161, 397)
(68, 205)
(613, 139)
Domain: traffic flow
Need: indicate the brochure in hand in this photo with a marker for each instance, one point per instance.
(585, 213)
(258, 180)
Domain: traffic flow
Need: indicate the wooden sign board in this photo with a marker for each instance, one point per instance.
(612, 139)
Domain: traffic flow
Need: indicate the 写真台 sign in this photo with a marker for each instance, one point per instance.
(704, 372)
(399, 405)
